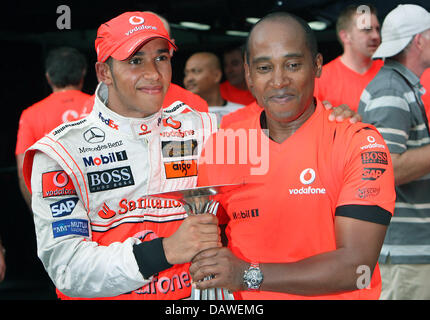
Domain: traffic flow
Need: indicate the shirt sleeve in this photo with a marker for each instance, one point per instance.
(389, 112)
(368, 178)
(25, 137)
(78, 266)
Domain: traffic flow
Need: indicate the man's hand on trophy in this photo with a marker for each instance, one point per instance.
(227, 270)
(195, 234)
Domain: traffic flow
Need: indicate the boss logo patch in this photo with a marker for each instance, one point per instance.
(110, 179)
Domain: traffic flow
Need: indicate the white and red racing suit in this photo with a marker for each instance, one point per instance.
(98, 234)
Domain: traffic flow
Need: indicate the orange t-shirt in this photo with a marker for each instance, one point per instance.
(339, 84)
(40, 118)
(193, 100)
(240, 114)
(288, 214)
(425, 81)
(233, 94)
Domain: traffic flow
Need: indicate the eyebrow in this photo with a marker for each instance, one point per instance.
(267, 58)
(140, 53)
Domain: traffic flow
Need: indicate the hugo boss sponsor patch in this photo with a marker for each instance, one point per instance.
(374, 157)
(57, 183)
(180, 169)
(66, 227)
(110, 179)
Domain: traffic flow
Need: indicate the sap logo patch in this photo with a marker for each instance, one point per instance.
(57, 183)
(110, 179)
(372, 173)
(63, 207)
(180, 169)
(66, 227)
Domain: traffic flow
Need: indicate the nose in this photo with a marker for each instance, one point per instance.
(279, 77)
(151, 72)
(376, 35)
(187, 78)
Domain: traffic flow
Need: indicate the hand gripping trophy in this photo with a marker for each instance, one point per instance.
(196, 201)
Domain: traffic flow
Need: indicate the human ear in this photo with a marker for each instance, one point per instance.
(318, 65)
(104, 73)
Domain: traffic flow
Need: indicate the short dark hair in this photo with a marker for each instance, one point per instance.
(310, 38)
(65, 66)
(344, 19)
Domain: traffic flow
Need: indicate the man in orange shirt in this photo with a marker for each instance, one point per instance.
(321, 185)
(344, 78)
(234, 88)
(65, 72)
(425, 81)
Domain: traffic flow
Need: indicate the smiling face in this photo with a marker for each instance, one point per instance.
(137, 85)
(281, 70)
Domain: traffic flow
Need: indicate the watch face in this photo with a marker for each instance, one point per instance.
(253, 278)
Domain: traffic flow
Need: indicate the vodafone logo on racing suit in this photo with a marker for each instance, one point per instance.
(57, 183)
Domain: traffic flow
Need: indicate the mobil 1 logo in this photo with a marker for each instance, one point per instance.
(110, 179)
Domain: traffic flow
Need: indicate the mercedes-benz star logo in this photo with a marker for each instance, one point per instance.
(94, 135)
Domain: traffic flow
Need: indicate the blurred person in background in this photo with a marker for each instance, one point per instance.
(344, 78)
(234, 88)
(203, 75)
(65, 70)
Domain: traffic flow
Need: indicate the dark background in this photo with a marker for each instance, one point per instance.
(28, 30)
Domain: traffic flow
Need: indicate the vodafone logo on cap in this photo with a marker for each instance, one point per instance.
(136, 20)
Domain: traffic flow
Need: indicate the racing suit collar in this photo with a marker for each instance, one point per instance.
(139, 128)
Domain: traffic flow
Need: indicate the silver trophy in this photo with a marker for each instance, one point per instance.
(196, 201)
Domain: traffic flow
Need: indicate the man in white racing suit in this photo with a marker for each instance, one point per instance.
(98, 234)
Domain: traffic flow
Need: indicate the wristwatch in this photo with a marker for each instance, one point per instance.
(253, 277)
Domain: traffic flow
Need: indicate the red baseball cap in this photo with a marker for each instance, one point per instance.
(122, 36)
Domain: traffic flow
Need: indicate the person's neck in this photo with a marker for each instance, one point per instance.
(240, 86)
(413, 63)
(356, 61)
(213, 98)
(280, 131)
(66, 88)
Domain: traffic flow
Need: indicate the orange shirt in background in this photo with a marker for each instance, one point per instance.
(339, 84)
(193, 100)
(233, 94)
(40, 118)
(289, 214)
(425, 81)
